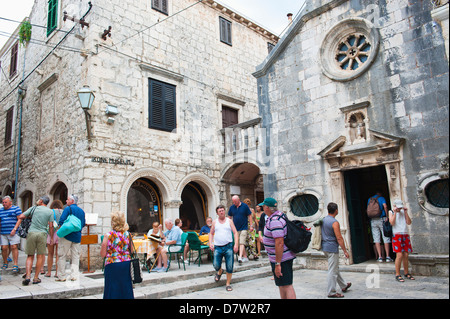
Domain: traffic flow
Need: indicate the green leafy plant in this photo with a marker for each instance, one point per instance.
(25, 32)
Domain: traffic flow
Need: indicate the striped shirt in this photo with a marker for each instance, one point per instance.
(8, 219)
(276, 228)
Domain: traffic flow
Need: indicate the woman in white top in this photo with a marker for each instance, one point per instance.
(221, 243)
(401, 243)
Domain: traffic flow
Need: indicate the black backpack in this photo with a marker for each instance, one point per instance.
(298, 236)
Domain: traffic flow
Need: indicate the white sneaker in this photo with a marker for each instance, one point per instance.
(380, 260)
(240, 260)
(245, 259)
(389, 259)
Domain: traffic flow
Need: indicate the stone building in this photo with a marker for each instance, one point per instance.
(175, 104)
(354, 98)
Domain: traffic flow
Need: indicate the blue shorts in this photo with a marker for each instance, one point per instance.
(227, 252)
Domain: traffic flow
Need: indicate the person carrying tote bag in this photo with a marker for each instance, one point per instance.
(116, 251)
(71, 224)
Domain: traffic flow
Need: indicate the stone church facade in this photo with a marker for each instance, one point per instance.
(156, 142)
(354, 99)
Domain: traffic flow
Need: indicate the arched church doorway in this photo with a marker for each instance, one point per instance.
(143, 206)
(194, 207)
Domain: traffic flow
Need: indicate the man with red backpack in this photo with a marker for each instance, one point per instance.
(377, 212)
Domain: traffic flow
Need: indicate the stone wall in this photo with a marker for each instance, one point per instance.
(406, 88)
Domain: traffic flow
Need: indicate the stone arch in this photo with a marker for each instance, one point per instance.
(208, 186)
(160, 179)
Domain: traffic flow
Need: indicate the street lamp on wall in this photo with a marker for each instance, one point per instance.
(86, 98)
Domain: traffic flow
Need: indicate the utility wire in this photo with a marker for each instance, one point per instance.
(32, 24)
(155, 24)
(45, 58)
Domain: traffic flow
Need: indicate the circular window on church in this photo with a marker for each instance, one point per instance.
(304, 205)
(349, 49)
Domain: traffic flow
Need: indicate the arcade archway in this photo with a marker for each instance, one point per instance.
(143, 205)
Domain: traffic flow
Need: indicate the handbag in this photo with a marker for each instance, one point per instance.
(71, 224)
(135, 267)
(24, 226)
(387, 228)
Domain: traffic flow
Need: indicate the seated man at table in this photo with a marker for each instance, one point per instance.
(173, 236)
(207, 228)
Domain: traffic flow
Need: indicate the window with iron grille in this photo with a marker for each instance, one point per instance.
(52, 16)
(161, 6)
(437, 193)
(304, 205)
(225, 31)
(162, 106)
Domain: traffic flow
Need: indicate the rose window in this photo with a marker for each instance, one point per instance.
(349, 49)
(353, 52)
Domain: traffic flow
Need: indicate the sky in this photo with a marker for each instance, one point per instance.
(271, 14)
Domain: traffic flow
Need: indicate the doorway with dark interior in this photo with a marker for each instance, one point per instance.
(360, 185)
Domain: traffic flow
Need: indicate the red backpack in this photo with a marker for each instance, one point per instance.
(373, 208)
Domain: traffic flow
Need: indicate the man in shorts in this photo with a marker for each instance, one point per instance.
(241, 215)
(280, 257)
(172, 237)
(376, 225)
(37, 237)
(9, 240)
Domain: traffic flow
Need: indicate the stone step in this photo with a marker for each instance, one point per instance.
(195, 278)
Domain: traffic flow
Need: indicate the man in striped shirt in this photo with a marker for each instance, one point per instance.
(9, 240)
(280, 257)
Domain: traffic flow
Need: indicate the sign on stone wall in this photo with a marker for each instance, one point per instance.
(113, 161)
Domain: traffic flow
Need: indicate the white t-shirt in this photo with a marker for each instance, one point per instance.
(400, 226)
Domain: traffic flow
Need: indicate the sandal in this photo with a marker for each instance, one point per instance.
(410, 277)
(15, 269)
(228, 288)
(399, 278)
(336, 295)
(38, 281)
(217, 277)
(349, 284)
(5, 266)
(26, 282)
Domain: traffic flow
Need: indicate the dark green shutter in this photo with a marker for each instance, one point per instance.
(52, 16)
(162, 108)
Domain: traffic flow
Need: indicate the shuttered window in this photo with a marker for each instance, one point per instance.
(162, 108)
(9, 126)
(225, 31)
(229, 116)
(14, 57)
(52, 16)
(161, 6)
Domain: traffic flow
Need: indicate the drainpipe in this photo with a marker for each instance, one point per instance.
(21, 95)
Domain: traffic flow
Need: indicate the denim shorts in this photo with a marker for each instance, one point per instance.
(227, 252)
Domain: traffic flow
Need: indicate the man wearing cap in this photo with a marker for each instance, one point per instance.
(401, 243)
(41, 221)
(280, 257)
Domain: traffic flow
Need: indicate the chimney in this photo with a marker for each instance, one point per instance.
(289, 15)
